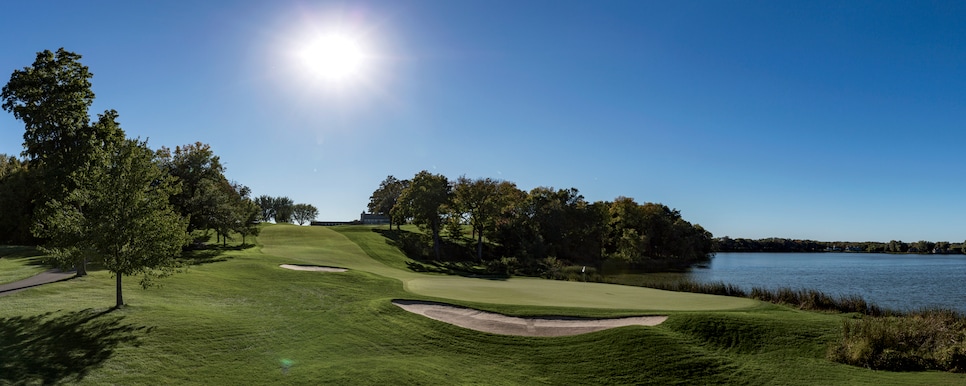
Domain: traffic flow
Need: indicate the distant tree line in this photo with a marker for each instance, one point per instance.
(774, 244)
(542, 227)
(284, 210)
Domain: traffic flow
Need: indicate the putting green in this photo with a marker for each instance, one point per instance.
(542, 292)
(323, 246)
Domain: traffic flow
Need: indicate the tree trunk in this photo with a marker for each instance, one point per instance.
(120, 298)
(81, 267)
(436, 242)
(479, 246)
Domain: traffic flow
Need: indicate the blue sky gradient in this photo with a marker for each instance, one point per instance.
(800, 119)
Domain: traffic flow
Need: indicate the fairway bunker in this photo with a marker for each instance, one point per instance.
(511, 325)
(315, 268)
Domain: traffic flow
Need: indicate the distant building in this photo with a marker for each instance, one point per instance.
(373, 219)
(364, 219)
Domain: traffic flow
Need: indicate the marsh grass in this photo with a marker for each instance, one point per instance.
(933, 339)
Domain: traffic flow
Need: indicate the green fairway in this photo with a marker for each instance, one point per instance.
(315, 245)
(244, 320)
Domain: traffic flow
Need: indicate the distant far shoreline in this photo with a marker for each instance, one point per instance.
(775, 244)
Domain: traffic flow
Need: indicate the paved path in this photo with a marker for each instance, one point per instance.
(51, 276)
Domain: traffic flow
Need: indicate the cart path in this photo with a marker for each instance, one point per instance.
(50, 276)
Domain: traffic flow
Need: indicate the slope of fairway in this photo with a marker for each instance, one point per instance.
(314, 245)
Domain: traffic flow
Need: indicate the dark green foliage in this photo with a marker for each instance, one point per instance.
(383, 200)
(19, 186)
(515, 232)
(119, 215)
(424, 201)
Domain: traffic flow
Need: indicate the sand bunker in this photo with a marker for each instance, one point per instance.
(510, 325)
(315, 268)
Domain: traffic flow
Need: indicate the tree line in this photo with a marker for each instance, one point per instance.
(86, 192)
(284, 210)
(775, 244)
(543, 225)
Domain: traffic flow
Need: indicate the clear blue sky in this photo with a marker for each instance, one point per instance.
(801, 119)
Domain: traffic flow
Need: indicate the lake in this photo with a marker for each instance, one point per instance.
(900, 282)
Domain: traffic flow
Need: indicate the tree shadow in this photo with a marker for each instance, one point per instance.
(200, 253)
(455, 268)
(32, 254)
(51, 348)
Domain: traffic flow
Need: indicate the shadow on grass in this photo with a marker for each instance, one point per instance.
(32, 254)
(418, 248)
(455, 268)
(51, 348)
(199, 254)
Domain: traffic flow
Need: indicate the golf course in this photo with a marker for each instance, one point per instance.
(241, 318)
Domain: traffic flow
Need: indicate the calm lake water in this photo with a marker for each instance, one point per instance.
(899, 282)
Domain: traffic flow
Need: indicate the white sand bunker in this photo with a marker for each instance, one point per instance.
(315, 268)
(510, 325)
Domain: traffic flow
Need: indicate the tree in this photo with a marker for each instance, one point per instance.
(482, 199)
(234, 212)
(52, 97)
(423, 201)
(267, 206)
(203, 183)
(119, 215)
(303, 213)
(385, 197)
(250, 213)
(282, 209)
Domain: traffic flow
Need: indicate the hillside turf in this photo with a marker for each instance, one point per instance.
(244, 320)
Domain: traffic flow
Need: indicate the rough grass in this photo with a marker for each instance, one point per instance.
(243, 319)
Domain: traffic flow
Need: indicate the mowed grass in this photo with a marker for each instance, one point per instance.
(18, 262)
(238, 321)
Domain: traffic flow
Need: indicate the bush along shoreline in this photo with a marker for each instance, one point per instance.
(876, 338)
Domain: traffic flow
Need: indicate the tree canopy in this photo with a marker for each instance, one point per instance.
(88, 193)
(119, 215)
(546, 226)
(423, 202)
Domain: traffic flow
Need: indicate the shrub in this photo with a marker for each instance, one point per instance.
(923, 340)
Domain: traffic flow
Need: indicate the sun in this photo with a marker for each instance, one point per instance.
(335, 57)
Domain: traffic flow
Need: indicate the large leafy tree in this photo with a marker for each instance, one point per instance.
(52, 97)
(282, 209)
(385, 197)
(120, 215)
(203, 182)
(423, 201)
(303, 213)
(483, 199)
(266, 204)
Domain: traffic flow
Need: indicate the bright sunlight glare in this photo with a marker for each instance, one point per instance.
(334, 58)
